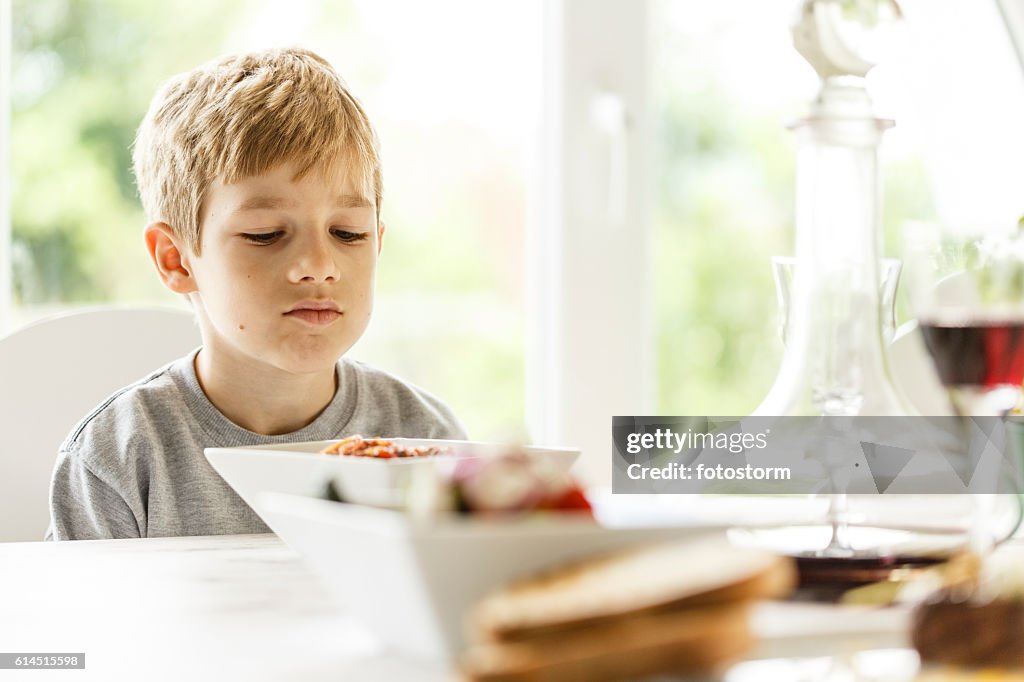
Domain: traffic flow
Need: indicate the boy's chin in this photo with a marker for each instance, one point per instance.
(303, 356)
(308, 365)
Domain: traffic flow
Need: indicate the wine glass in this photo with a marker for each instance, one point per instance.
(967, 293)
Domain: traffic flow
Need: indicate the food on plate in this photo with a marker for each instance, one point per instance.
(511, 482)
(380, 448)
(976, 617)
(672, 608)
(516, 481)
(659, 577)
(950, 629)
(626, 649)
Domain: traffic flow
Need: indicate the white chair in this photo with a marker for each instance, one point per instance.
(52, 373)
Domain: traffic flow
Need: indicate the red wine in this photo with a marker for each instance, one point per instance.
(976, 352)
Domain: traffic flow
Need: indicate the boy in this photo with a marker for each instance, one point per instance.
(260, 178)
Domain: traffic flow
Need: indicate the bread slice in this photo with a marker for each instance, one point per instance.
(682, 642)
(664, 577)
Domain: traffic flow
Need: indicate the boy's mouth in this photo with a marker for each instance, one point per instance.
(315, 312)
(314, 316)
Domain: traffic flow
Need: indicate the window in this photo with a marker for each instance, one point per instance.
(726, 80)
(642, 189)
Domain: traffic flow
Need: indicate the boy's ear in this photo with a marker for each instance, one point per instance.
(170, 257)
(380, 236)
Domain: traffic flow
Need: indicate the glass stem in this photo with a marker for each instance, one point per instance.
(839, 543)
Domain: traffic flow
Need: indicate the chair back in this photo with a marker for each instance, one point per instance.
(52, 374)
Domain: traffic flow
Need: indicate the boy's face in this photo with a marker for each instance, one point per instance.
(287, 268)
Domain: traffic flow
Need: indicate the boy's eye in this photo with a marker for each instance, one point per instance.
(262, 237)
(347, 236)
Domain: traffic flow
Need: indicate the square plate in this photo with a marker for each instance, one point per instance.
(300, 469)
(411, 581)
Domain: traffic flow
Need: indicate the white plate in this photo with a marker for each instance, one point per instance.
(411, 582)
(300, 469)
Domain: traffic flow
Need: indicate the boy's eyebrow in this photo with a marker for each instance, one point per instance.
(269, 202)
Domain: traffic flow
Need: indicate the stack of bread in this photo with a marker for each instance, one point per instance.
(675, 608)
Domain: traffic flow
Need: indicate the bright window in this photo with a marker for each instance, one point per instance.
(454, 88)
(726, 81)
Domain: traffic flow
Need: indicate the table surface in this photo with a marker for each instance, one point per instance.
(247, 607)
(213, 607)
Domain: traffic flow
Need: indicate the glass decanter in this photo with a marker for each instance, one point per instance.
(835, 361)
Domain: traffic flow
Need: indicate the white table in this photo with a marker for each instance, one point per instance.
(220, 607)
(247, 608)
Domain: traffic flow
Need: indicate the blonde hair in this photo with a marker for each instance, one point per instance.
(243, 115)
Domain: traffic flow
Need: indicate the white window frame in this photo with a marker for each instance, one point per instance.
(590, 350)
(1012, 12)
(5, 167)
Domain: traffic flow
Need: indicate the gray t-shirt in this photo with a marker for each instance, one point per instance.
(135, 467)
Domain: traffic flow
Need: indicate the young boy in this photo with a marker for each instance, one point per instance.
(261, 182)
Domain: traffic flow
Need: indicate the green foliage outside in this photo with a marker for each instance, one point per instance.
(83, 75)
(725, 199)
(723, 184)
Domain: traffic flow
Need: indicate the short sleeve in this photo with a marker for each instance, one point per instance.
(84, 507)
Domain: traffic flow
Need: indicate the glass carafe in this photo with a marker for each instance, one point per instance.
(784, 267)
(835, 361)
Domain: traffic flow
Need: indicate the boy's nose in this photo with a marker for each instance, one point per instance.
(315, 262)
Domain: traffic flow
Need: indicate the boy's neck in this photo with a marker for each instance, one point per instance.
(263, 399)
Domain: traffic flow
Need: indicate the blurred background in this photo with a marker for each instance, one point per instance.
(498, 287)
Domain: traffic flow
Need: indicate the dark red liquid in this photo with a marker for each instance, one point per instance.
(977, 353)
